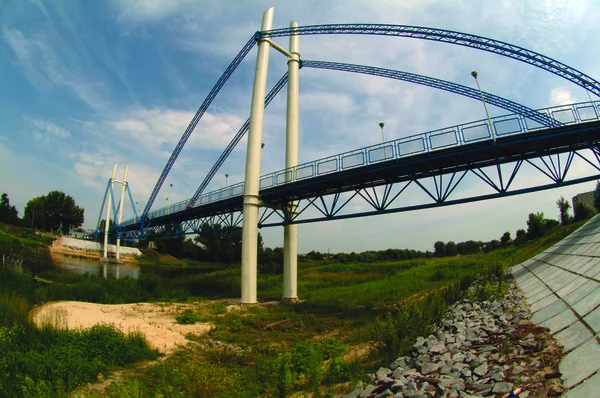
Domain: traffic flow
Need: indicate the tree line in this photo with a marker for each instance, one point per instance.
(54, 212)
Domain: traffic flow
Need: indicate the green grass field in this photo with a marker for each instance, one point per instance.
(353, 318)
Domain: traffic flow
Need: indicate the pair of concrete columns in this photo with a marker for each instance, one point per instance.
(119, 214)
(252, 176)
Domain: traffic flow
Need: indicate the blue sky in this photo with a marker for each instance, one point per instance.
(85, 84)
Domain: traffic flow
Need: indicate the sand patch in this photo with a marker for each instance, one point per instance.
(156, 322)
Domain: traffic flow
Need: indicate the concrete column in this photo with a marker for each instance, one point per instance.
(290, 232)
(108, 206)
(252, 177)
(120, 213)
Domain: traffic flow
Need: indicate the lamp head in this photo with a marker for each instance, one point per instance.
(262, 145)
(381, 124)
(474, 74)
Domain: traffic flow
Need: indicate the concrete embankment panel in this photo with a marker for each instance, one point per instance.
(562, 286)
(81, 244)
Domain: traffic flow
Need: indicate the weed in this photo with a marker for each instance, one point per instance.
(187, 317)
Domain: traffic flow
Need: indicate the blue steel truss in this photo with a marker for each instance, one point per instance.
(455, 88)
(443, 156)
(504, 103)
(452, 37)
(243, 130)
(188, 131)
(441, 35)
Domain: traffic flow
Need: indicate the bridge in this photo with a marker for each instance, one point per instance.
(436, 162)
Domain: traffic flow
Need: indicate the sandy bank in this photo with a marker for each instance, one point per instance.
(155, 321)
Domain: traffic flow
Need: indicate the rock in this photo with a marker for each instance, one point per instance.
(400, 362)
(409, 388)
(466, 372)
(429, 367)
(383, 373)
(517, 370)
(481, 370)
(385, 394)
(488, 348)
(459, 357)
(398, 372)
(482, 388)
(397, 386)
(367, 391)
(498, 376)
(502, 388)
(437, 348)
(412, 373)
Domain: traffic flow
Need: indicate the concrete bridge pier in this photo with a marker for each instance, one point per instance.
(290, 232)
(252, 175)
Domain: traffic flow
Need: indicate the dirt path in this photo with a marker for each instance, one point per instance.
(155, 321)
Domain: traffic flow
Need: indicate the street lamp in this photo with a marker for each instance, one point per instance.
(474, 74)
(383, 140)
(226, 177)
(170, 187)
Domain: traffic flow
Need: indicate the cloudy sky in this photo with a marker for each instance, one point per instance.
(85, 84)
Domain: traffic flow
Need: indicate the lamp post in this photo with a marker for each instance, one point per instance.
(383, 141)
(474, 74)
(226, 177)
(168, 208)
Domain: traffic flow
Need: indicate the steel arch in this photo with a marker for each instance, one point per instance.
(448, 36)
(455, 88)
(188, 131)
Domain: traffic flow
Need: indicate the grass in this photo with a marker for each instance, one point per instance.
(48, 360)
(354, 317)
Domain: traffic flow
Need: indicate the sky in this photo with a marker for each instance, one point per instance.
(86, 84)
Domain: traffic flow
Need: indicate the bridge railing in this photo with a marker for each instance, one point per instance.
(430, 141)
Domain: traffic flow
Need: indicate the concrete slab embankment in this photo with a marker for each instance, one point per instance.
(562, 286)
(90, 246)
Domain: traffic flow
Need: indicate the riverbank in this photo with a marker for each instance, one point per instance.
(84, 248)
(482, 347)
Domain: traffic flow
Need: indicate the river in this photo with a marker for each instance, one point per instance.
(92, 266)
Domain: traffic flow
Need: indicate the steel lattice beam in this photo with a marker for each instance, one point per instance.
(188, 131)
(455, 88)
(452, 37)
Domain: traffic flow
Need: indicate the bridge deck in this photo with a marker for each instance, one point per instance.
(457, 158)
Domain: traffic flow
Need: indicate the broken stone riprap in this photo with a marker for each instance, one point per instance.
(480, 348)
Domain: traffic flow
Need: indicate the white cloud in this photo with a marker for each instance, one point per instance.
(47, 130)
(560, 96)
(160, 128)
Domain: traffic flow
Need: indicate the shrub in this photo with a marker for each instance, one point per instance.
(187, 317)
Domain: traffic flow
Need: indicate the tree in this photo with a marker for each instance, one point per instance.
(439, 248)
(597, 196)
(8, 213)
(582, 212)
(535, 225)
(521, 237)
(55, 212)
(505, 239)
(563, 208)
(451, 249)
